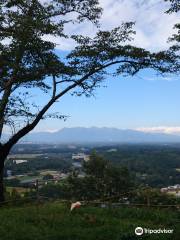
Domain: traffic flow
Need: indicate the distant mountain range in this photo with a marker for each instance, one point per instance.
(95, 135)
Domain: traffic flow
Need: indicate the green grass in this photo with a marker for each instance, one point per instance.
(53, 221)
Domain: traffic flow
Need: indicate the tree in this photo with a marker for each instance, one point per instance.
(174, 7)
(152, 196)
(175, 39)
(96, 166)
(29, 62)
(108, 180)
(117, 181)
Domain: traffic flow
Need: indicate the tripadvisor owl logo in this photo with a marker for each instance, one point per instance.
(139, 231)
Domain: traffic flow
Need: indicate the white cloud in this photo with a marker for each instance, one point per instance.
(159, 78)
(153, 26)
(161, 129)
(46, 130)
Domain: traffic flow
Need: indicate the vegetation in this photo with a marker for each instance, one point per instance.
(111, 185)
(54, 163)
(151, 196)
(78, 191)
(101, 180)
(28, 62)
(175, 38)
(54, 221)
(155, 166)
(174, 7)
(107, 182)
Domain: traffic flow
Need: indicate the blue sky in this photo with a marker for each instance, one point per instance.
(145, 102)
(141, 101)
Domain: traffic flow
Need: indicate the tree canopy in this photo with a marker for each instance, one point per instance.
(175, 38)
(174, 7)
(102, 179)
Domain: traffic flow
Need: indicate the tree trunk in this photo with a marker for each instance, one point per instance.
(3, 155)
(1, 180)
(1, 185)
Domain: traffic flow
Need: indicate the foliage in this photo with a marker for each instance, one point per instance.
(55, 191)
(14, 182)
(96, 166)
(175, 6)
(175, 39)
(148, 164)
(102, 179)
(152, 196)
(27, 59)
(39, 163)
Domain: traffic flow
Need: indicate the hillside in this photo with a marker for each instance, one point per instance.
(53, 221)
(95, 135)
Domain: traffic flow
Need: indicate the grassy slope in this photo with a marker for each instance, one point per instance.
(55, 222)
